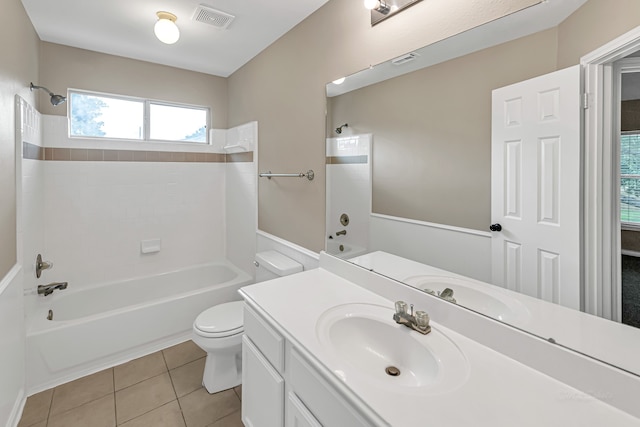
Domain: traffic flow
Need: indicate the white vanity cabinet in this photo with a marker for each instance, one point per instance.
(281, 387)
(262, 368)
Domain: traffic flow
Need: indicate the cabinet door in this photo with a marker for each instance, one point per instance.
(262, 389)
(298, 415)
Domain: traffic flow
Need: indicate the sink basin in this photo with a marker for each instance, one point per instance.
(364, 341)
(495, 303)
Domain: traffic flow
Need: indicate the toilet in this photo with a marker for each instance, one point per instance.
(218, 330)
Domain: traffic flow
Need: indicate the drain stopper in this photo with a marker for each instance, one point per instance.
(393, 371)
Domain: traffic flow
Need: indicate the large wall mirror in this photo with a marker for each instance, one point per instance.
(414, 176)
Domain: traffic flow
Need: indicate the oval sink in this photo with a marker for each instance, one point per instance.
(368, 346)
(483, 299)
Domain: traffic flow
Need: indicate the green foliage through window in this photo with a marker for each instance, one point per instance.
(630, 178)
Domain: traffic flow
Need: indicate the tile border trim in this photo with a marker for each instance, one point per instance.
(35, 152)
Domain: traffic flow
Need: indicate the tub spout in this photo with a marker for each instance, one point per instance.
(48, 289)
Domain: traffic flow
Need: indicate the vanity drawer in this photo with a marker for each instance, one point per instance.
(270, 343)
(326, 405)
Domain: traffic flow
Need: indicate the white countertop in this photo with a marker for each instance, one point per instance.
(497, 392)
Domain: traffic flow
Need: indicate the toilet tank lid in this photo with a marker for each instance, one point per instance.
(277, 263)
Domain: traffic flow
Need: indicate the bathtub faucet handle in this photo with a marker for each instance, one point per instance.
(42, 265)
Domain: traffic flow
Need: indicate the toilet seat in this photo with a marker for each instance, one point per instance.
(220, 321)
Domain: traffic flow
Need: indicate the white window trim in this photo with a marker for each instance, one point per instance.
(146, 118)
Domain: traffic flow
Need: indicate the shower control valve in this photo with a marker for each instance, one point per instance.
(42, 265)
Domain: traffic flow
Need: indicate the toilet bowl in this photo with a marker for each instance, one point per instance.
(218, 330)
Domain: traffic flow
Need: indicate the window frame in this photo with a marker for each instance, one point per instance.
(146, 119)
(626, 225)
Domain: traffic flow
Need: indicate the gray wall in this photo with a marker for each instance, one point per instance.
(284, 89)
(64, 67)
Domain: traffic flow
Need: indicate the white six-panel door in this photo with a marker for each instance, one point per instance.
(536, 187)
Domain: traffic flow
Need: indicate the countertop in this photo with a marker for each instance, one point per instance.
(497, 391)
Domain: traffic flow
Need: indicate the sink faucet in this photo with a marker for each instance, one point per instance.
(447, 295)
(341, 233)
(418, 322)
(48, 289)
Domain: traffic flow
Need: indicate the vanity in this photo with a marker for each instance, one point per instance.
(321, 348)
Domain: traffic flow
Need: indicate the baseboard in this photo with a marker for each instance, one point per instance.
(18, 407)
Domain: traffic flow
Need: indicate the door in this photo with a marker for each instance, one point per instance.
(262, 389)
(536, 187)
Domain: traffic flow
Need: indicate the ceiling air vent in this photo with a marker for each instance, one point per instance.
(216, 18)
(404, 58)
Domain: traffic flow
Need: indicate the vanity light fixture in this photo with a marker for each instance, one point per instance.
(378, 6)
(383, 9)
(166, 29)
(339, 81)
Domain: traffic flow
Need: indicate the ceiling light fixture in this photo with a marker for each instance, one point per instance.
(377, 5)
(339, 81)
(166, 29)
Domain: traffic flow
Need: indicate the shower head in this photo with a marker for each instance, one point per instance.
(339, 128)
(55, 99)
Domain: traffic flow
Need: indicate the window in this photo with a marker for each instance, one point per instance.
(95, 115)
(630, 178)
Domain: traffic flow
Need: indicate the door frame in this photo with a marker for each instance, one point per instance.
(601, 248)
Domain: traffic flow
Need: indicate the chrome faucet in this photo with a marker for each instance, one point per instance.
(418, 322)
(48, 289)
(341, 233)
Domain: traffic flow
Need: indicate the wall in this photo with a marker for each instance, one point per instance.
(241, 196)
(284, 89)
(593, 25)
(64, 67)
(19, 65)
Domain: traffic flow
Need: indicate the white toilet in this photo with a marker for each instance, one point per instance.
(218, 330)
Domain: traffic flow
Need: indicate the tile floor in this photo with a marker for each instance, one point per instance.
(162, 389)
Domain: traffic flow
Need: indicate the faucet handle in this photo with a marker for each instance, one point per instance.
(42, 265)
(422, 319)
(401, 307)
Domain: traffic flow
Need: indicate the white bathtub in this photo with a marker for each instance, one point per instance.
(104, 325)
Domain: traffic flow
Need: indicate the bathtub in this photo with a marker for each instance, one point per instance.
(103, 325)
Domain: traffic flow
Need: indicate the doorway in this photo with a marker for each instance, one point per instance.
(627, 85)
(602, 180)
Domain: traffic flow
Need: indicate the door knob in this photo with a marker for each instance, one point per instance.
(495, 227)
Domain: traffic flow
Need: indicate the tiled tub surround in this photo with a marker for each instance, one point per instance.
(162, 389)
(89, 213)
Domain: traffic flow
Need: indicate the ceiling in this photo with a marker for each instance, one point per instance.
(125, 28)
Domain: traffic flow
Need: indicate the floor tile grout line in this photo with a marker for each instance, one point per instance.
(115, 405)
(53, 393)
(175, 392)
(79, 406)
(139, 382)
(151, 410)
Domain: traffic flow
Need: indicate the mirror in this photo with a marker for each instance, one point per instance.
(427, 119)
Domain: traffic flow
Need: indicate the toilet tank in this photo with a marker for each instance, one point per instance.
(272, 264)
